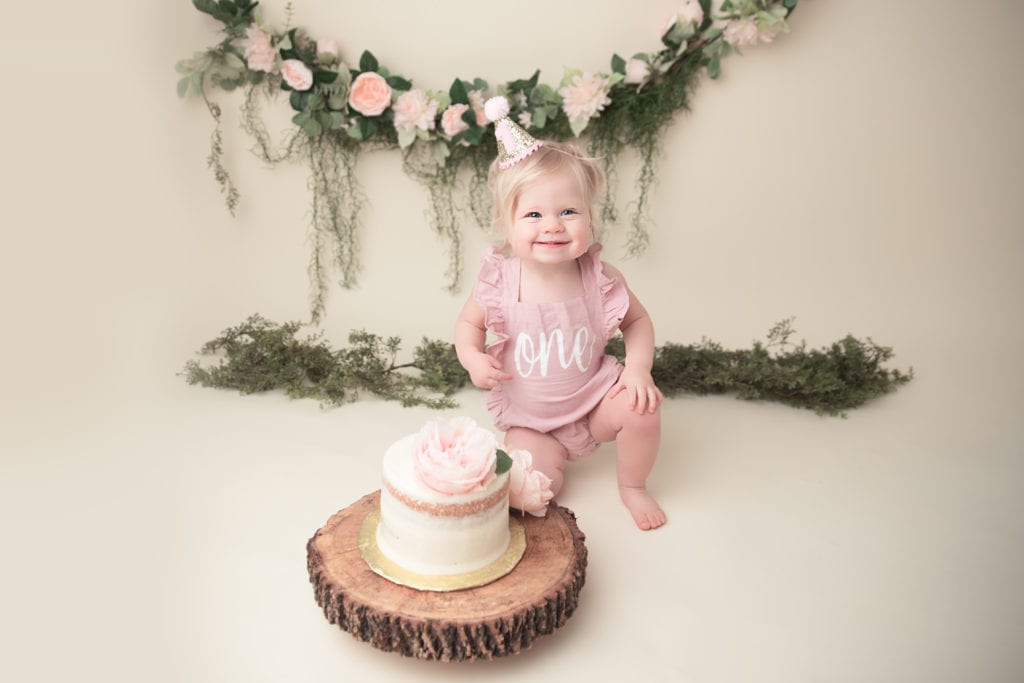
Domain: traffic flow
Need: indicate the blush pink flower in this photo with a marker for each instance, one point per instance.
(451, 120)
(636, 71)
(328, 47)
(741, 32)
(370, 94)
(259, 53)
(413, 109)
(296, 74)
(585, 96)
(456, 456)
(529, 490)
(691, 12)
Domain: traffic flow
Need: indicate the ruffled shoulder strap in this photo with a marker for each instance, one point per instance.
(491, 292)
(489, 289)
(613, 297)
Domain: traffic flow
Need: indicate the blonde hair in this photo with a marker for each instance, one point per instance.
(551, 158)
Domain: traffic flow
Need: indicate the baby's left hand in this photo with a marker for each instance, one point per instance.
(644, 395)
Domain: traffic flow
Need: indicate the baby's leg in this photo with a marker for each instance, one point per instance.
(637, 440)
(549, 454)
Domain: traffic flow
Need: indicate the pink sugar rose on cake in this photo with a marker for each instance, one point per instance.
(455, 456)
(296, 74)
(370, 94)
(529, 490)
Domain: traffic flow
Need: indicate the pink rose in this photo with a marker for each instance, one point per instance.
(296, 74)
(370, 94)
(259, 53)
(455, 456)
(691, 12)
(529, 490)
(413, 109)
(636, 71)
(741, 32)
(451, 120)
(329, 48)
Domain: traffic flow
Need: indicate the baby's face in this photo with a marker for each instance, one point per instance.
(551, 220)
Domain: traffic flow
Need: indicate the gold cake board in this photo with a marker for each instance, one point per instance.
(498, 618)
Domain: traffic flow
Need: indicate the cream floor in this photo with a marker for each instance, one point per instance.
(160, 537)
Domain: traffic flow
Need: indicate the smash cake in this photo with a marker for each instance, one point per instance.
(444, 520)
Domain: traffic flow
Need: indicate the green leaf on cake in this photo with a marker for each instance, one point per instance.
(504, 462)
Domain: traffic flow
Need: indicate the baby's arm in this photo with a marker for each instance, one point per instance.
(470, 333)
(638, 333)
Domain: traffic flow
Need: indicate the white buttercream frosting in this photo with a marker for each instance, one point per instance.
(433, 533)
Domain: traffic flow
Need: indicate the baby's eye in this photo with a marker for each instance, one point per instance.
(533, 214)
(569, 212)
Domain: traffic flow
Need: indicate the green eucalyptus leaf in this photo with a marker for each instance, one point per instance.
(458, 92)
(183, 86)
(368, 62)
(324, 76)
(714, 67)
(578, 126)
(297, 100)
(504, 463)
(399, 83)
(540, 117)
(335, 120)
(406, 137)
(618, 64)
(205, 6)
(440, 151)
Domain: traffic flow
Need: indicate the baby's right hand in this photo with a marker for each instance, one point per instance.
(485, 371)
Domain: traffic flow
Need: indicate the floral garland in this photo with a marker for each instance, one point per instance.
(342, 109)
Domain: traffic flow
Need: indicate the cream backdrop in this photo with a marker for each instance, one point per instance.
(863, 175)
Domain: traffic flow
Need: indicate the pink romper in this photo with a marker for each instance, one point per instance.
(554, 351)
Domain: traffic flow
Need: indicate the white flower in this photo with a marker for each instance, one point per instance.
(741, 32)
(259, 53)
(413, 109)
(636, 71)
(327, 50)
(767, 35)
(529, 490)
(691, 12)
(525, 119)
(585, 96)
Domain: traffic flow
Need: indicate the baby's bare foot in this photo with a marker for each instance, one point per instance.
(645, 510)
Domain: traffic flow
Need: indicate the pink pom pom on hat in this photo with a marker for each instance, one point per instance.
(514, 143)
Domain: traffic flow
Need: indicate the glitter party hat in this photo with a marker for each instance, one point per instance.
(514, 143)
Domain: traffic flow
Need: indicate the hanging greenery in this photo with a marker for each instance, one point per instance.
(342, 108)
(259, 355)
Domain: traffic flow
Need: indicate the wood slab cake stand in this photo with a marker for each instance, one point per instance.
(496, 619)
